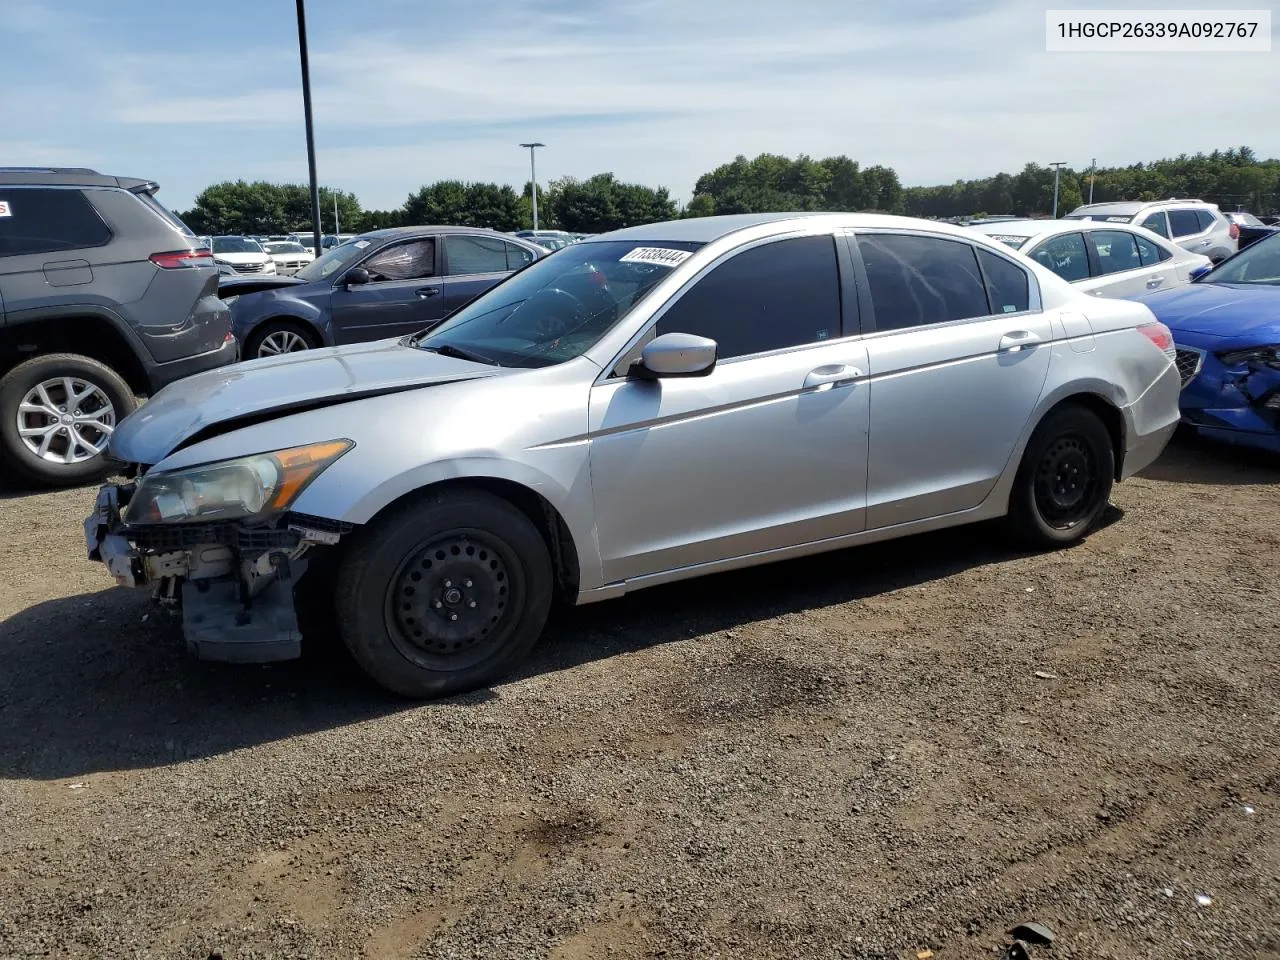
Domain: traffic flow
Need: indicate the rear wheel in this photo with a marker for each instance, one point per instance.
(445, 594)
(57, 414)
(1065, 478)
(279, 336)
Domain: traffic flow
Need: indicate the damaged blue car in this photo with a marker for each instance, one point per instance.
(1226, 329)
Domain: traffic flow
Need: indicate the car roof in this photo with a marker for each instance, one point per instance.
(1035, 228)
(71, 177)
(709, 229)
(391, 232)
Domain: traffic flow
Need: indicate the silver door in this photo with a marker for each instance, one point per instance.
(948, 402)
(764, 453)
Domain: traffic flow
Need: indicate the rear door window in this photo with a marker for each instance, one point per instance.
(776, 295)
(1065, 255)
(1117, 250)
(48, 221)
(468, 255)
(1184, 223)
(917, 280)
(1205, 219)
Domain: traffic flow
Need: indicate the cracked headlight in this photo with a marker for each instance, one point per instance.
(1265, 355)
(254, 486)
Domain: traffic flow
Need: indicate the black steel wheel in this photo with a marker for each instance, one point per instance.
(444, 593)
(1065, 478)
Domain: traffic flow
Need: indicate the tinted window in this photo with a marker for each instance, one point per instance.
(1156, 223)
(517, 257)
(1205, 219)
(475, 255)
(1150, 253)
(1065, 256)
(1116, 250)
(1183, 223)
(920, 280)
(46, 221)
(1007, 287)
(414, 260)
(777, 295)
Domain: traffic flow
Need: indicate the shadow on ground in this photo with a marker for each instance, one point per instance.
(1190, 459)
(88, 685)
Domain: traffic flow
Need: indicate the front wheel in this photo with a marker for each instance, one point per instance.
(1065, 478)
(57, 414)
(444, 594)
(279, 336)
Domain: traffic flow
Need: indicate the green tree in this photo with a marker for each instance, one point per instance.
(459, 204)
(241, 207)
(601, 203)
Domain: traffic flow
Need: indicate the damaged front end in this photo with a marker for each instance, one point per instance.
(1235, 396)
(218, 543)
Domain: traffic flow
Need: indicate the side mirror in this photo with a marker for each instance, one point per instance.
(356, 276)
(1200, 271)
(676, 355)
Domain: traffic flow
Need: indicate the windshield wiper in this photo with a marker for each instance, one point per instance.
(461, 353)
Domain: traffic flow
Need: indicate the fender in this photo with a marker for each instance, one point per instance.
(12, 323)
(276, 304)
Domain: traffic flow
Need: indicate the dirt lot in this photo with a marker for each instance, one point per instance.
(851, 756)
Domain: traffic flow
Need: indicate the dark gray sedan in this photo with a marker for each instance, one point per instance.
(380, 284)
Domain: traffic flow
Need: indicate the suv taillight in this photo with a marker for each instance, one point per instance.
(1161, 336)
(177, 259)
(1235, 231)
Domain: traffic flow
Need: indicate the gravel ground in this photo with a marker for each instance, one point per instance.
(894, 749)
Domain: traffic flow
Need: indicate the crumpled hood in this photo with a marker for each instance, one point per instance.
(281, 385)
(1251, 311)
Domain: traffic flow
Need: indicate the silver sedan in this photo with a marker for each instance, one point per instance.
(645, 406)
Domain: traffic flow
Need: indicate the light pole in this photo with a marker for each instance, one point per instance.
(533, 174)
(306, 109)
(1093, 167)
(1057, 172)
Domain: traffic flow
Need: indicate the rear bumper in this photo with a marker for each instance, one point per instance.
(1150, 422)
(162, 374)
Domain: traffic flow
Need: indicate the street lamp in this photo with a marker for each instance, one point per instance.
(533, 174)
(1057, 172)
(306, 109)
(1093, 172)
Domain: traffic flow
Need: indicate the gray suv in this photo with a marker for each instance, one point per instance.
(1194, 225)
(104, 295)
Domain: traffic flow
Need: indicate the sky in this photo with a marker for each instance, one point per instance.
(407, 92)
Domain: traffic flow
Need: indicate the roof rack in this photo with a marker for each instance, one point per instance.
(78, 171)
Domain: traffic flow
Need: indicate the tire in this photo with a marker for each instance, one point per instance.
(1064, 482)
(285, 333)
(67, 460)
(444, 594)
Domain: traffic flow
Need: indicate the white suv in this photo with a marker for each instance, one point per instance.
(242, 254)
(1192, 224)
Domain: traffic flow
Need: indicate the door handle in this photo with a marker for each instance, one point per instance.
(1017, 340)
(428, 291)
(1155, 282)
(828, 376)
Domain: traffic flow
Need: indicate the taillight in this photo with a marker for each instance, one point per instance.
(177, 259)
(1161, 336)
(1235, 231)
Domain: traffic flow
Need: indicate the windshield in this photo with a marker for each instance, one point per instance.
(1257, 263)
(235, 245)
(556, 308)
(333, 260)
(285, 246)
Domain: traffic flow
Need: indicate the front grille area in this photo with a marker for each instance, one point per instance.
(1189, 362)
(248, 268)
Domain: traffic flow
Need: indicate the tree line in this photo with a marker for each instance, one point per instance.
(1231, 178)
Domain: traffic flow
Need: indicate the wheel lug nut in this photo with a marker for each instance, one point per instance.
(466, 583)
(453, 616)
(471, 604)
(448, 583)
(437, 604)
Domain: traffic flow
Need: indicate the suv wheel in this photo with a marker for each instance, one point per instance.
(57, 413)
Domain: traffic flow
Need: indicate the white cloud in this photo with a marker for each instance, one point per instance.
(936, 90)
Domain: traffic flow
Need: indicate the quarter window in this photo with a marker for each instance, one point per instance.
(921, 280)
(1183, 223)
(1007, 287)
(517, 256)
(49, 221)
(1116, 250)
(413, 260)
(1150, 253)
(778, 295)
(475, 255)
(1064, 255)
(1157, 223)
(1205, 219)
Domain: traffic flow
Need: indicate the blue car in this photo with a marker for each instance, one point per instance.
(382, 284)
(1226, 329)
